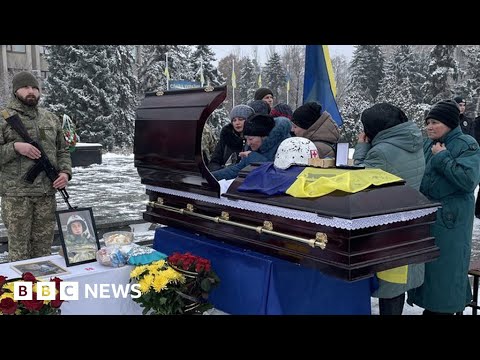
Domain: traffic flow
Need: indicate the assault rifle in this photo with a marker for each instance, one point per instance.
(42, 164)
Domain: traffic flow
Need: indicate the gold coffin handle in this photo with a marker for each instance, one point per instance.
(320, 240)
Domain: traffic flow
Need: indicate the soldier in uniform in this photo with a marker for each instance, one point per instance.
(28, 210)
(208, 142)
(80, 245)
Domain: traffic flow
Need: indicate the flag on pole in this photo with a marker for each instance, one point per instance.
(288, 82)
(319, 81)
(259, 80)
(234, 79)
(167, 74)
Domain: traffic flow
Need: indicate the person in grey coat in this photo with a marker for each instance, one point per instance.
(452, 172)
(392, 143)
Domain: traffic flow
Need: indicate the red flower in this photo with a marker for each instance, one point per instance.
(8, 306)
(28, 276)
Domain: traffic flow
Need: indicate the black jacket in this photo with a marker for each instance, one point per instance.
(467, 125)
(230, 142)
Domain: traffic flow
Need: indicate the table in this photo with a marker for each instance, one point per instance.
(92, 274)
(257, 284)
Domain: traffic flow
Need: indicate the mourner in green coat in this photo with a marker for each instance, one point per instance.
(392, 143)
(452, 172)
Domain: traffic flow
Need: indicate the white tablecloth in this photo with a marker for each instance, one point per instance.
(90, 273)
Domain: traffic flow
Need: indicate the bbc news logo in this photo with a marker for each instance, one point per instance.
(70, 290)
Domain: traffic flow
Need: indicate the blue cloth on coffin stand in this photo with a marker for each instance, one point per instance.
(257, 284)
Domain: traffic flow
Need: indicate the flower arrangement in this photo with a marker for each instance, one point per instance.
(8, 305)
(180, 285)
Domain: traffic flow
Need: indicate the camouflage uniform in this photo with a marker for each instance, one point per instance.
(80, 248)
(28, 210)
(208, 141)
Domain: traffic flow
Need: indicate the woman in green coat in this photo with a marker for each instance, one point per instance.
(451, 175)
(392, 143)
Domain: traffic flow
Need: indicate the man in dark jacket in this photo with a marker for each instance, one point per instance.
(466, 124)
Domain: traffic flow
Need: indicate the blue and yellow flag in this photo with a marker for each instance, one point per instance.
(319, 81)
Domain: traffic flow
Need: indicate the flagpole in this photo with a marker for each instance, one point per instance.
(288, 83)
(233, 86)
(202, 80)
(168, 73)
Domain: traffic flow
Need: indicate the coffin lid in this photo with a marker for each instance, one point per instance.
(167, 148)
(168, 139)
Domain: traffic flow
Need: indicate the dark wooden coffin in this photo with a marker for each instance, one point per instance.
(349, 236)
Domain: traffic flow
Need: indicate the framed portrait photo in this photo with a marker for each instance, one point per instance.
(78, 235)
(42, 268)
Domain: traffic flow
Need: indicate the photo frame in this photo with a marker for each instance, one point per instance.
(40, 268)
(78, 235)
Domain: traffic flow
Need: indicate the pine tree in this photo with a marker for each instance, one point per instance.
(210, 72)
(247, 82)
(123, 77)
(274, 77)
(151, 73)
(367, 69)
(93, 84)
(441, 68)
(470, 86)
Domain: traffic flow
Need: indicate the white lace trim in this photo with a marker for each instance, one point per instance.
(313, 218)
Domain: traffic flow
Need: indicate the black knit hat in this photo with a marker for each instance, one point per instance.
(381, 117)
(261, 93)
(459, 99)
(445, 111)
(22, 79)
(260, 107)
(282, 109)
(258, 125)
(307, 114)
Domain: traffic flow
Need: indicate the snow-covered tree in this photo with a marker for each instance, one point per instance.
(355, 102)
(441, 69)
(366, 69)
(151, 73)
(274, 77)
(210, 72)
(95, 86)
(247, 82)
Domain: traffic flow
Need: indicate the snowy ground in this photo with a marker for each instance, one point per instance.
(114, 192)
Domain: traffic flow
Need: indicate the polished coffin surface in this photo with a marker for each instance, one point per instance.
(380, 231)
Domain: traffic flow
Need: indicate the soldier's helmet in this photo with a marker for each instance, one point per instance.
(75, 218)
(294, 151)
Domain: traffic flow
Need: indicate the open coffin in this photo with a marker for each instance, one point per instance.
(349, 236)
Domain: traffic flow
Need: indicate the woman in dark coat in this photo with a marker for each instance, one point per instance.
(392, 143)
(452, 173)
(231, 141)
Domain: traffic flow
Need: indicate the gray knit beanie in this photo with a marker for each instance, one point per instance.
(241, 111)
(22, 79)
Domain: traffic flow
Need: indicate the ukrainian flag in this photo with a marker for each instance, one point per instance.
(319, 81)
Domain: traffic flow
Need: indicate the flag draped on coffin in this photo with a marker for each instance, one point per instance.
(319, 81)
